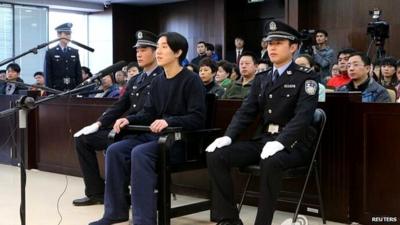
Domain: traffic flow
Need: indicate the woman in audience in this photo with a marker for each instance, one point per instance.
(86, 73)
(306, 60)
(132, 69)
(398, 79)
(224, 72)
(235, 75)
(108, 88)
(207, 71)
(388, 78)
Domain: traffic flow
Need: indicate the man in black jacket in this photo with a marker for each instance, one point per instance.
(285, 98)
(94, 137)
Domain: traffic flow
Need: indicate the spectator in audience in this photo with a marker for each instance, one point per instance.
(223, 74)
(235, 75)
(3, 75)
(358, 68)
(93, 138)
(233, 56)
(334, 70)
(121, 78)
(263, 65)
(177, 99)
(264, 53)
(86, 73)
(342, 78)
(388, 78)
(132, 69)
(210, 51)
(248, 67)
(201, 53)
(307, 61)
(40, 81)
(192, 67)
(323, 55)
(207, 71)
(13, 71)
(283, 101)
(398, 78)
(108, 88)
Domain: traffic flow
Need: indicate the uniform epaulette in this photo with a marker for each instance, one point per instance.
(304, 69)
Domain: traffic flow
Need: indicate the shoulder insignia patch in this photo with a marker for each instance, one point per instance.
(311, 87)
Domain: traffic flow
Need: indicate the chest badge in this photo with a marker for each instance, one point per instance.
(289, 86)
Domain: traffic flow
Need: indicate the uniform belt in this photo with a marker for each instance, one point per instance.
(272, 128)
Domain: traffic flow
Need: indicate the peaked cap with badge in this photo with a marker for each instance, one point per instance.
(275, 30)
(145, 38)
(65, 27)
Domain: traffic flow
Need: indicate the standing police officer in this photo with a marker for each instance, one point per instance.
(62, 67)
(94, 137)
(285, 97)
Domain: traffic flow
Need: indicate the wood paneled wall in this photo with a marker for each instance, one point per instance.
(346, 22)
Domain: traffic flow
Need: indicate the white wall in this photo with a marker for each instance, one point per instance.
(101, 39)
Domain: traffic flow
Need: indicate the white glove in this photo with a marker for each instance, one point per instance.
(270, 148)
(88, 129)
(219, 143)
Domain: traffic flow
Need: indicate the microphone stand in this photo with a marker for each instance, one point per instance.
(33, 50)
(44, 88)
(23, 105)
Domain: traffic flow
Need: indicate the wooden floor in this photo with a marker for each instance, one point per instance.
(44, 189)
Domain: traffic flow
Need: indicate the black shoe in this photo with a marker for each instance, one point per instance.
(88, 201)
(230, 222)
(104, 221)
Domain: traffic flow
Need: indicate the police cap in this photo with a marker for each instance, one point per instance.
(66, 27)
(145, 38)
(275, 29)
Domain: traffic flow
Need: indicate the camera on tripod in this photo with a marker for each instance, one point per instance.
(307, 37)
(378, 29)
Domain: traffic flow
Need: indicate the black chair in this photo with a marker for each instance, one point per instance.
(254, 170)
(195, 142)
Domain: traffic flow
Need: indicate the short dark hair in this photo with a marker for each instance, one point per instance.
(38, 73)
(265, 61)
(251, 54)
(14, 66)
(239, 37)
(202, 42)
(397, 64)
(321, 31)
(225, 65)
(3, 71)
(237, 70)
(309, 59)
(87, 71)
(194, 66)
(345, 51)
(207, 61)
(388, 61)
(366, 60)
(176, 42)
(132, 64)
(210, 47)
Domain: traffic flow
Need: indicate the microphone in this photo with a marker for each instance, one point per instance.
(115, 67)
(82, 46)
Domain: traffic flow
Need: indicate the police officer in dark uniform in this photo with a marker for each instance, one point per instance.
(285, 97)
(62, 67)
(94, 137)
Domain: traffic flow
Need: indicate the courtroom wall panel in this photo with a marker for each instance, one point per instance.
(346, 22)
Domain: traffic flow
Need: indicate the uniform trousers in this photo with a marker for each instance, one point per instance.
(245, 153)
(86, 147)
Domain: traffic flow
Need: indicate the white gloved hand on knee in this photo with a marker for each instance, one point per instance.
(88, 129)
(270, 148)
(219, 143)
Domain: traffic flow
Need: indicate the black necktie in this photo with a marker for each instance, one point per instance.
(144, 75)
(275, 76)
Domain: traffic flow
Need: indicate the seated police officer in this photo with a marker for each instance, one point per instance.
(94, 137)
(285, 97)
